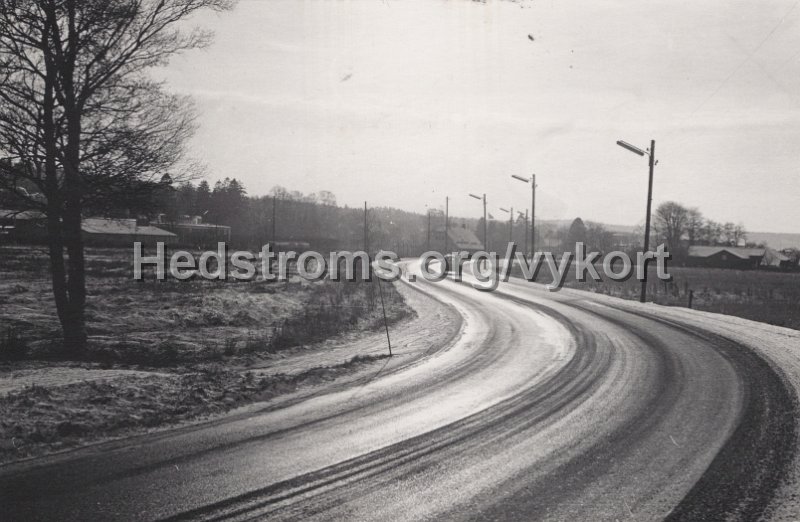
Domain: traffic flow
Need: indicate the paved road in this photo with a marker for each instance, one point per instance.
(548, 407)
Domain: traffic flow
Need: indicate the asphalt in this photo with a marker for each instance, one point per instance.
(547, 406)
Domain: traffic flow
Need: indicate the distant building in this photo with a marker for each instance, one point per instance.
(192, 232)
(776, 260)
(123, 233)
(30, 226)
(459, 237)
(725, 257)
(22, 226)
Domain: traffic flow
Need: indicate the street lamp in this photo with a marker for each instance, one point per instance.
(510, 223)
(532, 181)
(525, 235)
(428, 243)
(652, 163)
(479, 198)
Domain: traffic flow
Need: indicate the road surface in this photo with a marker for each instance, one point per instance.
(547, 406)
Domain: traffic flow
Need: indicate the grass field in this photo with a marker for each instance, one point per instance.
(162, 323)
(163, 353)
(769, 297)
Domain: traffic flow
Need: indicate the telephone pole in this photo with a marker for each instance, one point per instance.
(532, 181)
(485, 247)
(446, 221)
(380, 288)
(651, 164)
(526, 231)
(274, 214)
(485, 229)
(533, 214)
(429, 231)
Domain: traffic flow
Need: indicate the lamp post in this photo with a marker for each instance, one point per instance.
(532, 181)
(485, 246)
(651, 153)
(428, 244)
(446, 221)
(525, 235)
(510, 223)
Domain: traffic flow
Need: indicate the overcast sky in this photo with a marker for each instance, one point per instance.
(402, 103)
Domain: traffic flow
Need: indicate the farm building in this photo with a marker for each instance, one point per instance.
(22, 226)
(459, 237)
(123, 232)
(30, 226)
(192, 232)
(776, 260)
(725, 257)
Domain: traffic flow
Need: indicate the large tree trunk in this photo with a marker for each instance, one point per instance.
(74, 322)
(69, 284)
(69, 281)
(64, 206)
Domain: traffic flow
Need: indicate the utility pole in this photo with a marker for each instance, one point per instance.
(380, 287)
(526, 231)
(446, 221)
(485, 235)
(385, 323)
(485, 229)
(652, 163)
(532, 181)
(533, 214)
(274, 213)
(429, 231)
(511, 225)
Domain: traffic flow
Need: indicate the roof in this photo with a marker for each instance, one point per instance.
(775, 258)
(121, 227)
(740, 252)
(20, 215)
(195, 226)
(463, 238)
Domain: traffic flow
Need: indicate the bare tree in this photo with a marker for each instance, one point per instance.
(670, 221)
(739, 234)
(81, 121)
(694, 225)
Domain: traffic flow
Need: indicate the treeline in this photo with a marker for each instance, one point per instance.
(680, 227)
(292, 216)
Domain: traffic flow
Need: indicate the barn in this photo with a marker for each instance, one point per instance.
(459, 237)
(123, 233)
(740, 258)
(775, 260)
(192, 232)
(22, 226)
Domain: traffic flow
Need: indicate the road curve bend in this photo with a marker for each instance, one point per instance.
(548, 406)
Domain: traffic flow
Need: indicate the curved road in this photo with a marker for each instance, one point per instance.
(547, 407)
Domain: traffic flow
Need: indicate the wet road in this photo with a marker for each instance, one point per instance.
(547, 407)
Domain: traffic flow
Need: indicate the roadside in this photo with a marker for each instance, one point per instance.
(771, 297)
(157, 370)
